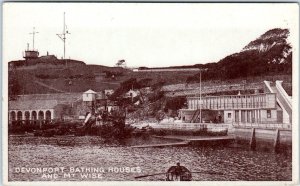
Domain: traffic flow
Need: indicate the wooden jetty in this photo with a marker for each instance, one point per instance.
(175, 144)
(188, 140)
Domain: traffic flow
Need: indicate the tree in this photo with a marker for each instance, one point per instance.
(124, 87)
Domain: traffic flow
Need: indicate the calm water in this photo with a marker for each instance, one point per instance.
(216, 163)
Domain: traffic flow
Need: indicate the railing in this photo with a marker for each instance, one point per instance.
(188, 126)
(231, 105)
(283, 93)
(264, 125)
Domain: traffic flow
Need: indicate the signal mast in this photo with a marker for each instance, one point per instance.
(33, 34)
(62, 36)
(31, 54)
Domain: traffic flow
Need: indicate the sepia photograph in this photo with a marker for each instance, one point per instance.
(101, 92)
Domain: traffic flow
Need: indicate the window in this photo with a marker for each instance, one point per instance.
(268, 113)
(229, 115)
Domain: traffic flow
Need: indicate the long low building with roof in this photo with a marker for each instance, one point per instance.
(273, 107)
(49, 107)
(35, 110)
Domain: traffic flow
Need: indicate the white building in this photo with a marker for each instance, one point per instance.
(89, 95)
(265, 108)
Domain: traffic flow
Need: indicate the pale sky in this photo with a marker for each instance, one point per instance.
(144, 34)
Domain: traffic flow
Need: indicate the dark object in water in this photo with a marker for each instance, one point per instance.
(178, 173)
(65, 142)
(174, 173)
(145, 132)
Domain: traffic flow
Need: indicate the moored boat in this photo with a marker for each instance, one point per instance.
(174, 173)
(178, 173)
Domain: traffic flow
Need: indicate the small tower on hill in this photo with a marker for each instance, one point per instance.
(31, 54)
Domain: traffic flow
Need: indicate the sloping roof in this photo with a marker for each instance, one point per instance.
(60, 97)
(32, 104)
(90, 92)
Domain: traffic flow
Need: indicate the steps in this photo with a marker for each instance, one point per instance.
(196, 114)
(282, 97)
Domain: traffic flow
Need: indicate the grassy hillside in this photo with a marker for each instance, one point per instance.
(267, 58)
(84, 77)
(51, 78)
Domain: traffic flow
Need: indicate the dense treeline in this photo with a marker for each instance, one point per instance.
(247, 64)
(131, 83)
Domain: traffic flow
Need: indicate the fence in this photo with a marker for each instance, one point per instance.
(189, 126)
(264, 125)
(230, 105)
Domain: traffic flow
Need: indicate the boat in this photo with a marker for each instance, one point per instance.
(174, 173)
(178, 173)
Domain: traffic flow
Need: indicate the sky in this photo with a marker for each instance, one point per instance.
(143, 34)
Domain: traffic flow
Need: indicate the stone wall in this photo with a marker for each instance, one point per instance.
(264, 138)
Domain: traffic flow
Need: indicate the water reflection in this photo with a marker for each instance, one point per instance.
(215, 163)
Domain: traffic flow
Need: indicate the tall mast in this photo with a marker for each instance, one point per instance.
(63, 35)
(200, 91)
(33, 34)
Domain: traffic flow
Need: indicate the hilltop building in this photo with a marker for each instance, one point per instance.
(31, 54)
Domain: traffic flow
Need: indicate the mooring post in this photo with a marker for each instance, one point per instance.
(253, 140)
(277, 141)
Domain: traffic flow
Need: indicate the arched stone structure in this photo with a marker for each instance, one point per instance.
(33, 115)
(27, 115)
(41, 115)
(13, 116)
(48, 115)
(19, 115)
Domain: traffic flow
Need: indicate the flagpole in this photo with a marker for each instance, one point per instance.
(200, 91)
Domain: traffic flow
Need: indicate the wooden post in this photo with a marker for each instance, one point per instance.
(277, 141)
(253, 140)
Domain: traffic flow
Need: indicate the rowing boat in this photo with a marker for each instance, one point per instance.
(178, 173)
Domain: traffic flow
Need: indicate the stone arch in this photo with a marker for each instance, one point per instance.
(48, 115)
(34, 116)
(41, 115)
(13, 116)
(19, 115)
(27, 115)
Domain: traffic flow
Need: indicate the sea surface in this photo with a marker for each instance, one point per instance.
(91, 158)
